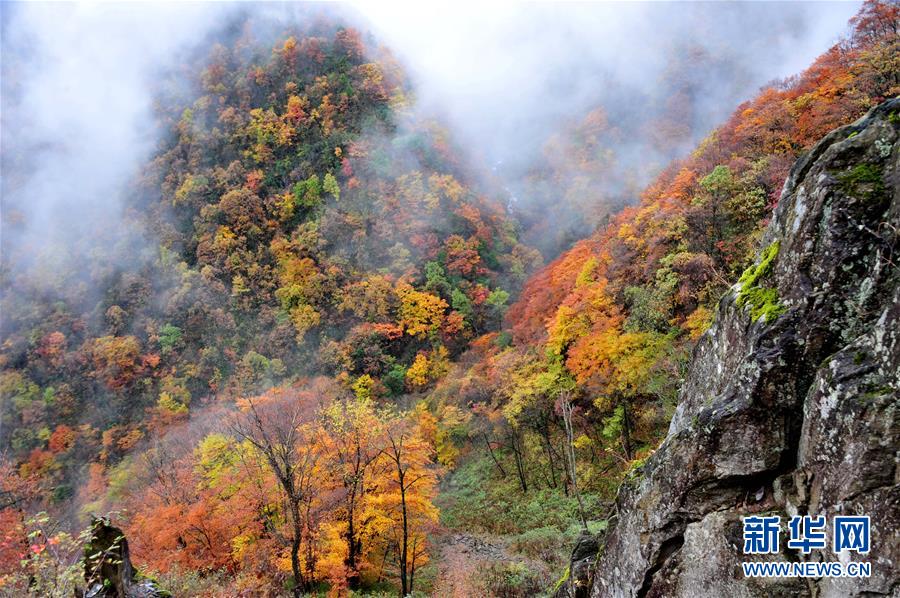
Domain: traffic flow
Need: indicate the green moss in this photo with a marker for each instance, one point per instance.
(763, 301)
(874, 392)
(636, 468)
(864, 181)
(757, 271)
(894, 116)
(559, 583)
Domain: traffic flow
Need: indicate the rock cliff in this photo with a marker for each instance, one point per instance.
(790, 405)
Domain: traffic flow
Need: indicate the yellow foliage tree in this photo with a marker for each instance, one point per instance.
(405, 498)
(417, 374)
(420, 313)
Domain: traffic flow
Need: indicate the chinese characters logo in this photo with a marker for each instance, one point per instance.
(805, 534)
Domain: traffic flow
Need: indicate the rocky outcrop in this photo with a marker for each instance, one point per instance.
(108, 571)
(790, 405)
(581, 567)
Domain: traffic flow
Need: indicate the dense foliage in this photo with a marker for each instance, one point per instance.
(306, 223)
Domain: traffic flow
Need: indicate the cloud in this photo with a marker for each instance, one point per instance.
(77, 91)
(507, 77)
(508, 73)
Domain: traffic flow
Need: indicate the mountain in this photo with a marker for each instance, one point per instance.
(296, 221)
(299, 232)
(789, 403)
(321, 351)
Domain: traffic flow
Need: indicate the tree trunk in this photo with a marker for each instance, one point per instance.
(626, 432)
(352, 573)
(405, 545)
(310, 548)
(567, 410)
(412, 569)
(520, 464)
(299, 581)
(295, 568)
(545, 432)
(493, 456)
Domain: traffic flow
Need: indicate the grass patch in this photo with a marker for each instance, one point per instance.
(476, 498)
(511, 580)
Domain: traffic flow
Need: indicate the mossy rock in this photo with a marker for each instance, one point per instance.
(763, 301)
(865, 181)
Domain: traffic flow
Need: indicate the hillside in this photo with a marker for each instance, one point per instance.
(306, 225)
(288, 243)
(322, 352)
(609, 327)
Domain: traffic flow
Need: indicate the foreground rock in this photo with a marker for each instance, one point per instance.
(790, 406)
(108, 571)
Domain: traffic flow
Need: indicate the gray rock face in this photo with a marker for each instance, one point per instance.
(790, 406)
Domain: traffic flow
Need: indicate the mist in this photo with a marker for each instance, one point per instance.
(79, 81)
(507, 74)
(508, 78)
(77, 123)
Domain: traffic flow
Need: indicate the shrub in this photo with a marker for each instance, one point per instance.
(511, 580)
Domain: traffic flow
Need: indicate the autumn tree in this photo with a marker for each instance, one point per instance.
(420, 313)
(353, 436)
(175, 518)
(406, 498)
(565, 405)
(281, 426)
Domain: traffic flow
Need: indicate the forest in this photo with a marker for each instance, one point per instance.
(338, 361)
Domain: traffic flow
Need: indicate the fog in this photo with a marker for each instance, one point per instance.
(509, 77)
(79, 83)
(77, 96)
(506, 74)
